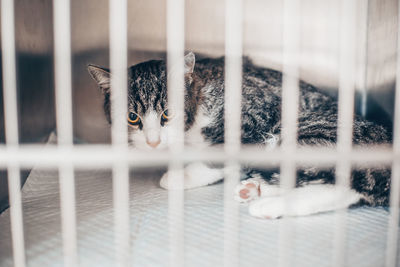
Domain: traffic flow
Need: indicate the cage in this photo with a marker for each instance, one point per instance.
(74, 193)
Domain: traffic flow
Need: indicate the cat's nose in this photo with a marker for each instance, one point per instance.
(153, 144)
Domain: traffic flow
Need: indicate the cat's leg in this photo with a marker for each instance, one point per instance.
(305, 200)
(195, 175)
(256, 187)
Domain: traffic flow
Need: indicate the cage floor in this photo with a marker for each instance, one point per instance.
(366, 228)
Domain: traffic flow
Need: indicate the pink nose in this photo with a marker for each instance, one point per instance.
(153, 144)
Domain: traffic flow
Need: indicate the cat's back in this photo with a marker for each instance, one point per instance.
(261, 107)
(260, 101)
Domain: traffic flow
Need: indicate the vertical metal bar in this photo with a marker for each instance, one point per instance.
(17, 227)
(11, 127)
(119, 104)
(118, 63)
(175, 85)
(345, 116)
(231, 215)
(346, 82)
(176, 222)
(392, 235)
(63, 87)
(62, 47)
(121, 213)
(68, 214)
(232, 133)
(9, 72)
(175, 67)
(290, 99)
(233, 75)
(290, 79)
(363, 54)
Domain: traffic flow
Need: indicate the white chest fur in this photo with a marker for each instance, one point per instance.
(193, 137)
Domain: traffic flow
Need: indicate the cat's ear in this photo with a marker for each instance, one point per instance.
(190, 60)
(101, 76)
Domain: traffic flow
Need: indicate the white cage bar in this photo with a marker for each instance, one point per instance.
(290, 99)
(345, 117)
(11, 128)
(232, 120)
(175, 85)
(392, 245)
(89, 156)
(362, 71)
(119, 133)
(63, 95)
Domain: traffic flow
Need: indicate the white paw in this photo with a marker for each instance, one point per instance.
(268, 208)
(247, 190)
(170, 181)
(164, 181)
(194, 175)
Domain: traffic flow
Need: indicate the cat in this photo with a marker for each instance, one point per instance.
(149, 118)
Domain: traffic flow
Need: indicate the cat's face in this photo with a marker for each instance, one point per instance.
(148, 116)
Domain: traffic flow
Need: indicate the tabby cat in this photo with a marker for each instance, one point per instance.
(148, 118)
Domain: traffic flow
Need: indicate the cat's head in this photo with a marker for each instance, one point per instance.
(148, 115)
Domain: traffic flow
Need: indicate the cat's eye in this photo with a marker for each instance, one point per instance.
(166, 116)
(133, 119)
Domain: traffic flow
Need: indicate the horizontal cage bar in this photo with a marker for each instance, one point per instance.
(105, 156)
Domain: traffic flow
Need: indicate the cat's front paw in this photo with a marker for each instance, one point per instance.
(180, 181)
(247, 190)
(268, 208)
(171, 182)
(195, 175)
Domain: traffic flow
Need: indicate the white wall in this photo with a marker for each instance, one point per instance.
(205, 31)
